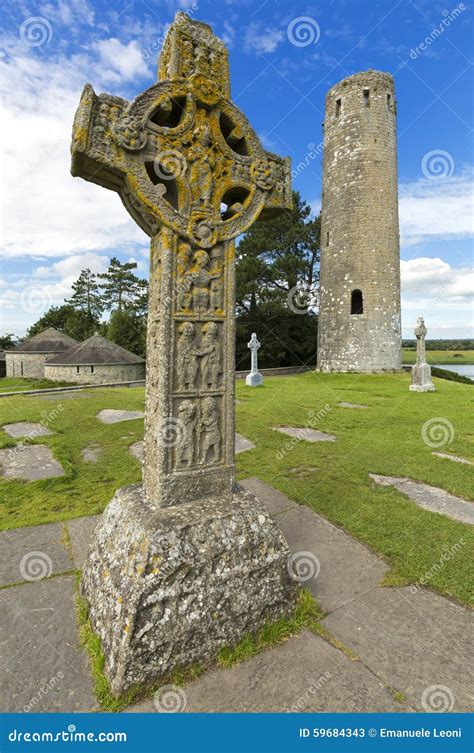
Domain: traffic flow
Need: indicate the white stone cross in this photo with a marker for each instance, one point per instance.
(421, 372)
(254, 379)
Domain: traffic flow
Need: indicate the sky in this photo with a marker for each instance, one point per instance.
(284, 56)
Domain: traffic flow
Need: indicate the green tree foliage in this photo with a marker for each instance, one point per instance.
(277, 276)
(87, 296)
(7, 341)
(121, 288)
(128, 329)
(73, 322)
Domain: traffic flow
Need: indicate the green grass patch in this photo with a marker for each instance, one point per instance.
(306, 615)
(440, 357)
(17, 384)
(334, 480)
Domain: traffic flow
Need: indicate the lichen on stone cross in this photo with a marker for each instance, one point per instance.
(192, 173)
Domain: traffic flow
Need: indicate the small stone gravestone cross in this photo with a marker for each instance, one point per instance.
(186, 562)
(254, 379)
(421, 371)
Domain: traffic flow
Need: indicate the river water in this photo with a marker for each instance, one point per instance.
(466, 370)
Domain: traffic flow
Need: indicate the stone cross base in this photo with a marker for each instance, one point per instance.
(421, 378)
(254, 379)
(170, 587)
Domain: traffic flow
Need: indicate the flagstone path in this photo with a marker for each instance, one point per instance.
(408, 641)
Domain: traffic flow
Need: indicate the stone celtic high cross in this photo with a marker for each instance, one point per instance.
(192, 173)
(188, 561)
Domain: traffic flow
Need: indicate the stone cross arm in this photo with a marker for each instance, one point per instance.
(181, 154)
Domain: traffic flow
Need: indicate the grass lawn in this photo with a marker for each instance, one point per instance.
(438, 357)
(17, 384)
(330, 477)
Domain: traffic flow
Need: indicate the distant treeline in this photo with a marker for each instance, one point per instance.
(442, 344)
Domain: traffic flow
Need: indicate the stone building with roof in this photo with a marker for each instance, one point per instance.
(27, 359)
(95, 361)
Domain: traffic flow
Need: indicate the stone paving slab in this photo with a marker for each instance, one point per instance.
(430, 498)
(412, 639)
(112, 416)
(29, 553)
(352, 405)
(80, 534)
(305, 434)
(342, 569)
(454, 458)
(42, 668)
(58, 396)
(274, 500)
(29, 462)
(26, 429)
(304, 674)
(137, 449)
(242, 443)
(92, 453)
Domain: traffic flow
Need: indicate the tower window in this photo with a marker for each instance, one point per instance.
(327, 238)
(357, 302)
(338, 107)
(367, 97)
(77, 369)
(92, 369)
(389, 101)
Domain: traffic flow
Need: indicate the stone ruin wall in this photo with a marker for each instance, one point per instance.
(359, 232)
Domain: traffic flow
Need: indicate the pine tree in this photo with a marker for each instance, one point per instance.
(121, 289)
(87, 296)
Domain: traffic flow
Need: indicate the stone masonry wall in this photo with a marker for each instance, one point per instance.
(100, 375)
(359, 233)
(33, 364)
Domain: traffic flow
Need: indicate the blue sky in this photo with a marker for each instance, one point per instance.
(284, 56)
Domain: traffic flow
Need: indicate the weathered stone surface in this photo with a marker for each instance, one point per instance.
(26, 429)
(242, 443)
(184, 564)
(454, 458)
(80, 534)
(28, 554)
(359, 316)
(305, 674)
(413, 640)
(254, 378)
(92, 453)
(29, 462)
(430, 497)
(421, 372)
(352, 405)
(111, 416)
(306, 434)
(169, 587)
(43, 669)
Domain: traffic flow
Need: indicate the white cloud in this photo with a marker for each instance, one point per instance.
(121, 61)
(260, 38)
(46, 212)
(73, 265)
(437, 278)
(432, 209)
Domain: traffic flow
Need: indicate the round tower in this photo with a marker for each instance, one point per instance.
(359, 317)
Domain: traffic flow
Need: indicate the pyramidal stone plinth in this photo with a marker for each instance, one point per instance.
(186, 562)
